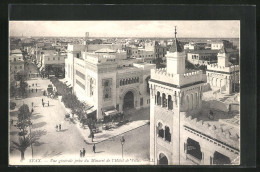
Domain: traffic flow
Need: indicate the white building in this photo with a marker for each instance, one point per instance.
(223, 75)
(106, 79)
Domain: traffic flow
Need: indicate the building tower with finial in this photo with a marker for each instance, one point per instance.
(86, 38)
(223, 75)
(172, 91)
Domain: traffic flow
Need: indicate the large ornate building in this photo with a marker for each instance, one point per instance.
(182, 131)
(102, 76)
(223, 75)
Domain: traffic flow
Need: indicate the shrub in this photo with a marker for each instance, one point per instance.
(12, 105)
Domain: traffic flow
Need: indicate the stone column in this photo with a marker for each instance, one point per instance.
(206, 156)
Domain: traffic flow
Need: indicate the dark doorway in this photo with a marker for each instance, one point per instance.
(193, 149)
(128, 100)
(163, 159)
(220, 159)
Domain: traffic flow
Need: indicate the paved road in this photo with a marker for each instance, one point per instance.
(69, 141)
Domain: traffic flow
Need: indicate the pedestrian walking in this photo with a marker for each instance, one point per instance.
(43, 104)
(32, 84)
(32, 104)
(36, 83)
(32, 90)
(94, 148)
(36, 90)
(42, 100)
(57, 128)
(92, 135)
(48, 104)
(83, 152)
(80, 154)
(32, 110)
(60, 127)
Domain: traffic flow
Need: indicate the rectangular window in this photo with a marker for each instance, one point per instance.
(141, 102)
(53, 58)
(21, 67)
(80, 84)
(81, 75)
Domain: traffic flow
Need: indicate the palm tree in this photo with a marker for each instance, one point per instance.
(22, 144)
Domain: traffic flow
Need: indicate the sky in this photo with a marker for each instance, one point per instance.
(141, 28)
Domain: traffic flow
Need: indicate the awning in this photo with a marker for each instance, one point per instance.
(111, 112)
(63, 80)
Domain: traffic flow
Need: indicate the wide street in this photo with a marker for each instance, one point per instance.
(68, 142)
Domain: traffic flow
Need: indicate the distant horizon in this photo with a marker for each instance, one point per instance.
(123, 37)
(138, 28)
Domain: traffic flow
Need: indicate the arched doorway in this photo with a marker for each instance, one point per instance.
(128, 100)
(163, 159)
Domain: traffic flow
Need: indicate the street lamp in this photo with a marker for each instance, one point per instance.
(122, 143)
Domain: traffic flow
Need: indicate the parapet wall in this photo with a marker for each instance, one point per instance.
(176, 79)
(216, 67)
(216, 132)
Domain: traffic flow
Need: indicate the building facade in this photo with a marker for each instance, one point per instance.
(158, 49)
(106, 79)
(223, 75)
(202, 57)
(219, 44)
(52, 60)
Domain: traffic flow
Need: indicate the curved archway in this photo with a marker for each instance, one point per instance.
(163, 160)
(128, 100)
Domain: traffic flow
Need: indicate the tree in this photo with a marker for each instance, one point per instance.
(23, 86)
(24, 119)
(22, 144)
(158, 62)
(35, 136)
(20, 76)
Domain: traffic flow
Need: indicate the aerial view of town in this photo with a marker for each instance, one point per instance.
(124, 92)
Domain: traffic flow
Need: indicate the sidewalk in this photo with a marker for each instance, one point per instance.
(106, 134)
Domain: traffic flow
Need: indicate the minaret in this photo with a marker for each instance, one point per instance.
(175, 57)
(223, 57)
(86, 38)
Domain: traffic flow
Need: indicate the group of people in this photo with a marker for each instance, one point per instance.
(43, 103)
(83, 152)
(58, 127)
(31, 90)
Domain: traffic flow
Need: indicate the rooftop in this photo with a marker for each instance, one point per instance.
(204, 51)
(224, 127)
(105, 50)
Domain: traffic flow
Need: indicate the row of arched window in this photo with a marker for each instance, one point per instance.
(163, 132)
(129, 81)
(164, 101)
(192, 101)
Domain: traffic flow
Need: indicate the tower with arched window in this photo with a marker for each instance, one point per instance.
(172, 91)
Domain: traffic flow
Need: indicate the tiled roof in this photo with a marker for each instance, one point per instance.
(176, 46)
